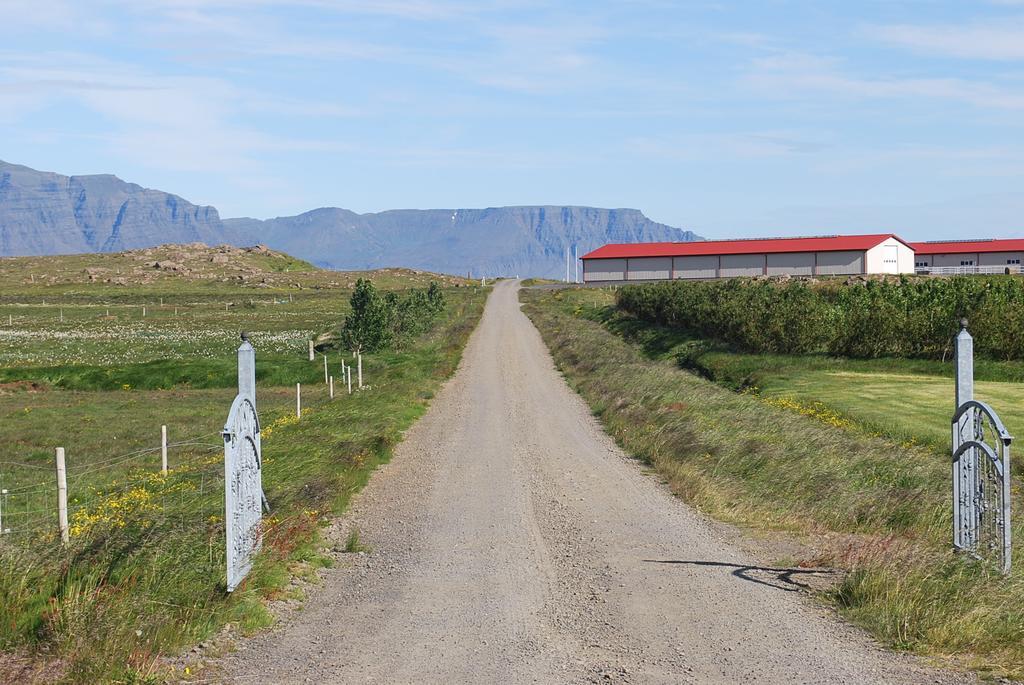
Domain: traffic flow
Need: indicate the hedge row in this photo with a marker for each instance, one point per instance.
(904, 317)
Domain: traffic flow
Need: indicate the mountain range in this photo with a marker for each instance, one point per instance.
(45, 213)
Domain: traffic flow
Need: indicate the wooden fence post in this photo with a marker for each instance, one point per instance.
(62, 497)
(163, 450)
(312, 354)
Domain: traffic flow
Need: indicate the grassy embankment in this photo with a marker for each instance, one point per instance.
(907, 400)
(870, 505)
(144, 573)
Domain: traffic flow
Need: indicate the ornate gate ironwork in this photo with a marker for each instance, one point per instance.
(981, 469)
(243, 482)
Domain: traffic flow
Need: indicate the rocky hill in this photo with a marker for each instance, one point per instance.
(192, 266)
(44, 213)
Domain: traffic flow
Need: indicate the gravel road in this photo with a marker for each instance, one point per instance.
(513, 542)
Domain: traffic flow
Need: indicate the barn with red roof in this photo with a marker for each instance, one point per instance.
(880, 253)
(969, 256)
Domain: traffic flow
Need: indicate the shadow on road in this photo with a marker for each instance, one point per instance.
(778, 578)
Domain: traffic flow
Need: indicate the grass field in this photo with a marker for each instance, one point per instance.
(907, 400)
(144, 573)
(863, 502)
(906, 407)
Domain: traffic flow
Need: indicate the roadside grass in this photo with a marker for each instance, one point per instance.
(907, 400)
(143, 576)
(878, 509)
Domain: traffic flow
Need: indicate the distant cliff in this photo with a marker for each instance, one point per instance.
(529, 241)
(44, 213)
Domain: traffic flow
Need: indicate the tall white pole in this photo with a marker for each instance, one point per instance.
(325, 368)
(298, 400)
(312, 354)
(62, 497)
(359, 362)
(576, 263)
(330, 386)
(348, 371)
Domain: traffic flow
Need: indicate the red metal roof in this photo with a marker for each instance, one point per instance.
(755, 246)
(968, 246)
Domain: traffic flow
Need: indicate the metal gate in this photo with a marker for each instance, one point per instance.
(243, 480)
(981, 469)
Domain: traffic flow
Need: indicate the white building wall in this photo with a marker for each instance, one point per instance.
(890, 257)
(604, 270)
(840, 263)
(956, 259)
(742, 265)
(647, 268)
(792, 263)
(1000, 258)
(703, 266)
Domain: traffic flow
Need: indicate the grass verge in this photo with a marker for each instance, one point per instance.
(907, 400)
(881, 509)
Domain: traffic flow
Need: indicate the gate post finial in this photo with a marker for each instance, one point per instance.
(247, 369)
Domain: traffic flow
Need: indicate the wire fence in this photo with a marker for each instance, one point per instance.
(111, 490)
(31, 505)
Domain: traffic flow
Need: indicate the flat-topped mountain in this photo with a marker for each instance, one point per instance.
(43, 213)
(530, 241)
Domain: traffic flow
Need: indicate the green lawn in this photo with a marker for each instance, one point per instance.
(903, 406)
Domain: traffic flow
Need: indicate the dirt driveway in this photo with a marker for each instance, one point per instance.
(513, 542)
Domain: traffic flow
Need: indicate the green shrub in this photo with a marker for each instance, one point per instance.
(377, 321)
(901, 317)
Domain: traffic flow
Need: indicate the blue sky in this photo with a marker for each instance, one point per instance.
(773, 117)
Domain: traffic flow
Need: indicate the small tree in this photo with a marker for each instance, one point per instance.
(435, 297)
(369, 326)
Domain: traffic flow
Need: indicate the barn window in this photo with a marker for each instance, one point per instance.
(1013, 261)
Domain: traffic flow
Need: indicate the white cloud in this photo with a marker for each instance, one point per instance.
(792, 74)
(182, 123)
(990, 41)
(719, 146)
